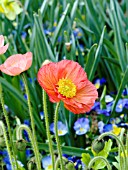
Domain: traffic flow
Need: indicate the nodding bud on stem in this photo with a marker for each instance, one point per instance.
(21, 145)
(46, 62)
(2, 141)
(98, 145)
(32, 164)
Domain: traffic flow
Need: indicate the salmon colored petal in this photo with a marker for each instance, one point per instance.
(76, 109)
(5, 70)
(28, 57)
(84, 99)
(73, 71)
(1, 40)
(87, 94)
(47, 78)
(3, 48)
(13, 60)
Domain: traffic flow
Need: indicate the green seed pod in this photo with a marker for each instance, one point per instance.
(32, 164)
(21, 145)
(98, 145)
(2, 141)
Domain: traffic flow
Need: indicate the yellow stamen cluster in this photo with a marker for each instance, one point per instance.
(67, 88)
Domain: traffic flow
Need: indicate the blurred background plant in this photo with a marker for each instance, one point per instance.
(93, 33)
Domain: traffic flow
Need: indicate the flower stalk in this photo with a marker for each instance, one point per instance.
(97, 158)
(8, 125)
(121, 146)
(31, 137)
(7, 145)
(32, 122)
(57, 137)
(47, 128)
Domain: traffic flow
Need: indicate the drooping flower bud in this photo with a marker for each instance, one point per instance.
(32, 164)
(2, 141)
(21, 145)
(98, 145)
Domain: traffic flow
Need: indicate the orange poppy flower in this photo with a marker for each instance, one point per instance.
(67, 81)
(2, 47)
(17, 64)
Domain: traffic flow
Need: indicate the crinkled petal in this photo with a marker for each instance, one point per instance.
(48, 79)
(28, 59)
(1, 40)
(72, 70)
(84, 99)
(3, 49)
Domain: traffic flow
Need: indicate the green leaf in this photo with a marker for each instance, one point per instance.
(85, 158)
(90, 59)
(116, 164)
(59, 26)
(113, 61)
(100, 164)
(102, 99)
(97, 56)
(82, 25)
(65, 149)
(122, 86)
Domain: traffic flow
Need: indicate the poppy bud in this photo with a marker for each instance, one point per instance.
(98, 145)
(21, 145)
(68, 46)
(46, 62)
(2, 141)
(32, 164)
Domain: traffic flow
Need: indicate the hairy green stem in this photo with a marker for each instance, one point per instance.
(47, 128)
(8, 126)
(32, 122)
(57, 164)
(19, 137)
(119, 142)
(57, 137)
(121, 159)
(7, 145)
(97, 158)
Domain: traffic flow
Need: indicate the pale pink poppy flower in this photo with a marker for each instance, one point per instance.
(16, 64)
(2, 47)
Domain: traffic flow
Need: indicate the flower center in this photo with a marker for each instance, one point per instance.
(81, 129)
(49, 167)
(60, 132)
(67, 88)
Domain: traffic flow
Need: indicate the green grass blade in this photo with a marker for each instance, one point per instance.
(121, 88)
(82, 25)
(97, 56)
(60, 24)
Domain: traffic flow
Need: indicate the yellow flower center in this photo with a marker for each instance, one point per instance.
(49, 167)
(67, 88)
(81, 129)
(60, 132)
